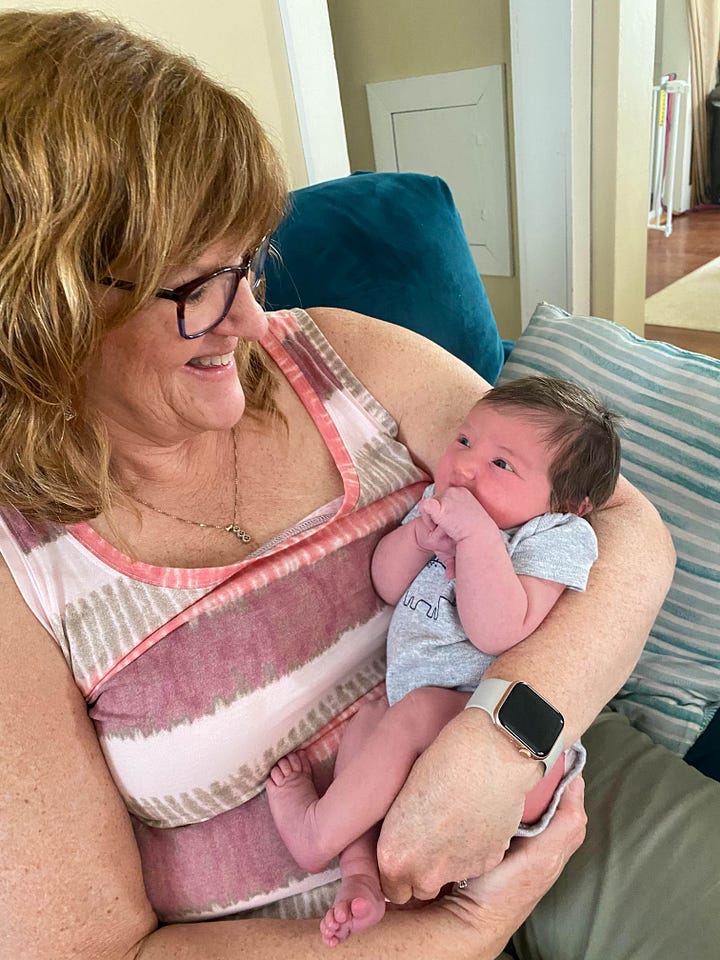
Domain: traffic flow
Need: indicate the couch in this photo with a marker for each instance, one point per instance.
(393, 246)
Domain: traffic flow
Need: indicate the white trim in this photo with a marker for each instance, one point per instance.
(581, 153)
(311, 58)
(551, 45)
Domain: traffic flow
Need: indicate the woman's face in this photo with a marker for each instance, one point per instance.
(150, 383)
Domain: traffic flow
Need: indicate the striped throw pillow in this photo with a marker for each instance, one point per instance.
(669, 400)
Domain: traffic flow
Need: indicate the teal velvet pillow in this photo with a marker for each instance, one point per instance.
(669, 401)
(389, 245)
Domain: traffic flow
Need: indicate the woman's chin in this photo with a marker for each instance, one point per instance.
(217, 410)
(219, 419)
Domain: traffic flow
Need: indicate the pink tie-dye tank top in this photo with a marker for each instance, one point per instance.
(198, 680)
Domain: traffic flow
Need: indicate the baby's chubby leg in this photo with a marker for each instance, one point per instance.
(359, 901)
(376, 754)
(293, 798)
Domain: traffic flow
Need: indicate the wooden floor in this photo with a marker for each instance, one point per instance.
(695, 239)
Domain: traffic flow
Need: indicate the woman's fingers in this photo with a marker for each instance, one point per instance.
(533, 864)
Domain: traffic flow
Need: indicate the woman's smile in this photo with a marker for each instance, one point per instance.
(218, 360)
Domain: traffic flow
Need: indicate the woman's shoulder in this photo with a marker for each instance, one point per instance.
(366, 343)
(18, 620)
(426, 389)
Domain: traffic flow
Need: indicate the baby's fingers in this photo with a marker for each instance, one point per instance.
(430, 509)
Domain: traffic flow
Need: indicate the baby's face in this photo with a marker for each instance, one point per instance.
(501, 458)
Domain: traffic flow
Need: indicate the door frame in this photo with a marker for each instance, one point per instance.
(311, 59)
(551, 62)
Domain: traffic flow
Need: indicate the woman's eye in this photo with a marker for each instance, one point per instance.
(463, 441)
(196, 296)
(502, 464)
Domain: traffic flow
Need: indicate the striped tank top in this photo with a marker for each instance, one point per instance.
(198, 680)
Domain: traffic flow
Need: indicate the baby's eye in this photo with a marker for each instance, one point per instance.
(463, 441)
(502, 464)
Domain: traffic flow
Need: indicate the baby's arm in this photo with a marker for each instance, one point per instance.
(497, 607)
(402, 553)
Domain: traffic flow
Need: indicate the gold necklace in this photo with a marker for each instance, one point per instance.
(231, 527)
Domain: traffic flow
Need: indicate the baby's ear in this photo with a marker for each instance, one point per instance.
(583, 508)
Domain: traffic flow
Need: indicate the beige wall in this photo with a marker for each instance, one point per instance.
(240, 44)
(378, 40)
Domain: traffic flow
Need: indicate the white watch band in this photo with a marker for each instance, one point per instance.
(489, 696)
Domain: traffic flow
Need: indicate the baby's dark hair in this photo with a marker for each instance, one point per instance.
(578, 428)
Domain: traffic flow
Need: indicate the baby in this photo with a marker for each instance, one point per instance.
(474, 569)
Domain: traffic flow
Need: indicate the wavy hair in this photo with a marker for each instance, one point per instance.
(580, 431)
(116, 153)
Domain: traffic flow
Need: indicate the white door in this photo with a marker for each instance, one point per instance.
(453, 125)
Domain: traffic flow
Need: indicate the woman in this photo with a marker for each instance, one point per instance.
(191, 490)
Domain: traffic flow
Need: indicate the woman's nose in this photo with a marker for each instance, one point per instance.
(245, 318)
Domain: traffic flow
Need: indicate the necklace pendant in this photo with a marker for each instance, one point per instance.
(239, 532)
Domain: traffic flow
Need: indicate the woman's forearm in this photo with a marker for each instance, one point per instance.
(583, 652)
(429, 933)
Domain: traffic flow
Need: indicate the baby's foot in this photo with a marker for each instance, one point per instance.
(359, 904)
(292, 797)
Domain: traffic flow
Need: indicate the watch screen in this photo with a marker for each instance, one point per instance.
(531, 719)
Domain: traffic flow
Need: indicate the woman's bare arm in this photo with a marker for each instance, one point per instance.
(71, 870)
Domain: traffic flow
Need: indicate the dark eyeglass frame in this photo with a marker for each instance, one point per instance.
(179, 295)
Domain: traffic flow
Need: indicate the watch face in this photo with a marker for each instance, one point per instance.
(530, 719)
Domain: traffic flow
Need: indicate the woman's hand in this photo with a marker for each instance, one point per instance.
(459, 808)
(503, 898)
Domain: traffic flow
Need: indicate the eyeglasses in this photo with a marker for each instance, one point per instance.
(204, 302)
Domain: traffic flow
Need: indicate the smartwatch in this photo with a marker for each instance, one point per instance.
(533, 723)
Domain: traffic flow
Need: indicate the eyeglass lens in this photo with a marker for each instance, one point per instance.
(209, 304)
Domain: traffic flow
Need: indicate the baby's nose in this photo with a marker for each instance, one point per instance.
(465, 470)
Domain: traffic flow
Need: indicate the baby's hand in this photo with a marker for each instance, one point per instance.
(436, 539)
(431, 538)
(457, 512)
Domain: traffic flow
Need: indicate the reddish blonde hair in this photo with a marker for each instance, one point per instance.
(115, 151)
